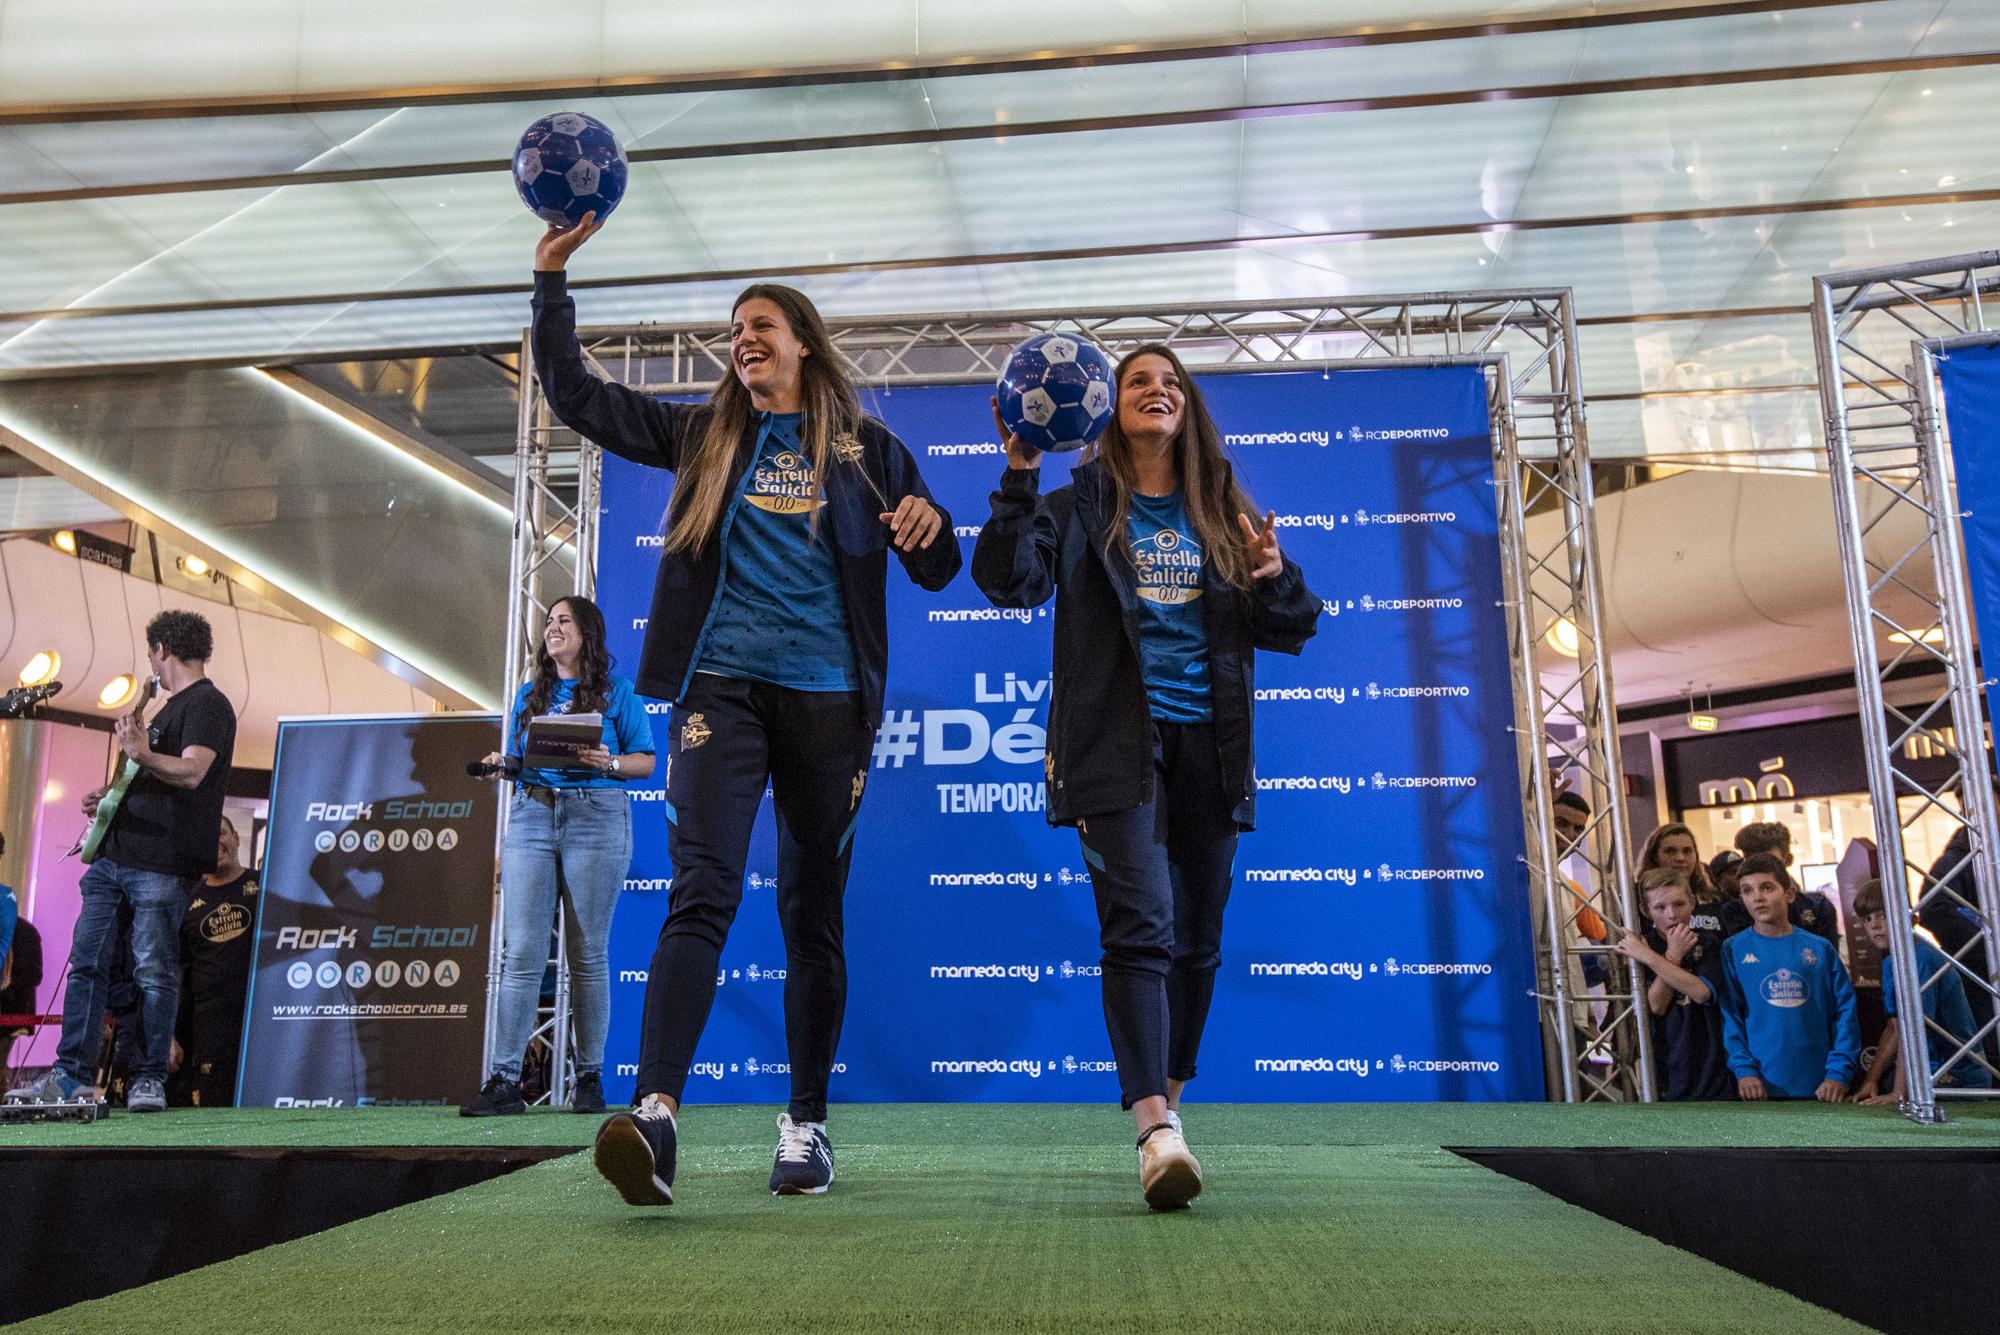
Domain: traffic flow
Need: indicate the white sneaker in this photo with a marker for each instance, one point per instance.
(1169, 1176)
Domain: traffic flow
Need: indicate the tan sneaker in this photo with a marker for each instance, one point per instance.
(1169, 1176)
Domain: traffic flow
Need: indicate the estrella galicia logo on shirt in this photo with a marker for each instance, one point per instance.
(1785, 988)
(1169, 566)
(225, 922)
(785, 485)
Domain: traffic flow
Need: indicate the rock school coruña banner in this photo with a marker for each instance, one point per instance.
(369, 982)
(1377, 942)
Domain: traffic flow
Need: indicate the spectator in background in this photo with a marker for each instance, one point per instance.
(216, 937)
(1671, 847)
(1955, 924)
(1571, 817)
(1790, 1025)
(1812, 911)
(1723, 869)
(1684, 992)
(24, 981)
(1944, 1006)
(10, 912)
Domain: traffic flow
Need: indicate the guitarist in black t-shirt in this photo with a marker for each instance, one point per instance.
(161, 839)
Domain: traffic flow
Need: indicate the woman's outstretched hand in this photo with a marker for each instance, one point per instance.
(552, 252)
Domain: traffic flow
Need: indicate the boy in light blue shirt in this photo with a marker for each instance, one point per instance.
(1789, 1021)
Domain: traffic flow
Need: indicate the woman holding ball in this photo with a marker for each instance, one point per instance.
(768, 633)
(1165, 586)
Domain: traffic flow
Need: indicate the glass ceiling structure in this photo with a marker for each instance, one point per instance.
(335, 184)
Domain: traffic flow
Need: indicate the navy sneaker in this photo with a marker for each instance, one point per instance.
(499, 1097)
(147, 1094)
(803, 1165)
(589, 1095)
(635, 1152)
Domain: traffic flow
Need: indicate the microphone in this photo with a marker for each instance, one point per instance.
(508, 768)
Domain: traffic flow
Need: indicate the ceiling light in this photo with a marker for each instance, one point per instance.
(41, 668)
(1563, 638)
(1703, 722)
(1935, 635)
(192, 566)
(65, 541)
(118, 692)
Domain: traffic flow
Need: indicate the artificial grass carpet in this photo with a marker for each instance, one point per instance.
(999, 1218)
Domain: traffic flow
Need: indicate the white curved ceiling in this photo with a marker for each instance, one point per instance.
(334, 180)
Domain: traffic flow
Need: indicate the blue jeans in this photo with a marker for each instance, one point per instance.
(158, 900)
(586, 834)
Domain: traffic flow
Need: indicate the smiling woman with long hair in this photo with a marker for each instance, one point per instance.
(1165, 587)
(768, 632)
(570, 828)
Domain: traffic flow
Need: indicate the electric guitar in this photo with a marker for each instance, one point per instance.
(23, 700)
(93, 839)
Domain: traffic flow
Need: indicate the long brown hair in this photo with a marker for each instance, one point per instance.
(1208, 483)
(1699, 884)
(593, 665)
(826, 397)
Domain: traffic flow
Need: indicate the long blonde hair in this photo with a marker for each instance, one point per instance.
(1208, 483)
(826, 397)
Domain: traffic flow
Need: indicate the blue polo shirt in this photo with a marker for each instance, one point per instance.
(10, 913)
(1944, 1005)
(1173, 634)
(627, 729)
(779, 615)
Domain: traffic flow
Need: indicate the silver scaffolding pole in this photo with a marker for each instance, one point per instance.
(1878, 335)
(1526, 340)
(554, 553)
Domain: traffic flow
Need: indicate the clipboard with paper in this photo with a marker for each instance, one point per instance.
(554, 741)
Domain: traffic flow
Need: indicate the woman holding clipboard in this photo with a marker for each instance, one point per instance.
(576, 820)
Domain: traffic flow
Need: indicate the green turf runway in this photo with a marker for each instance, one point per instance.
(998, 1218)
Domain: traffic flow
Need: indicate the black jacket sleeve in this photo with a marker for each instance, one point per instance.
(632, 425)
(1284, 613)
(1014, 561)
(930, 567)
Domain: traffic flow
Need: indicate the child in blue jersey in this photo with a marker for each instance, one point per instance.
(1789, 1019)
(1948, 1021)
(1685, 991)
(567, 829)
(1165, 587)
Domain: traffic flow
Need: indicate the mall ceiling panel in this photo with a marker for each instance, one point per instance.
(1689, 148)
(1616, 270)
(131, 152)
(351, 533)
(205, 50)
(108, 153)
(1409, 168)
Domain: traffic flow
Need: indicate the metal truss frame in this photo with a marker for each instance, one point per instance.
(1596, 1047)
(1886, 451)
(553, 554)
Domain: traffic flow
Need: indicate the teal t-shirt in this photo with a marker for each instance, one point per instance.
(779, 615)
(1173, 637)
(627, 730)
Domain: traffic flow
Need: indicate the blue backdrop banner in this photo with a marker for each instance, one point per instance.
(1971, 380)
(368, 986)
(1377, 942)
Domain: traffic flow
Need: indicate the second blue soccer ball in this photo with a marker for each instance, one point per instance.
(1056, 392)
(567, 165)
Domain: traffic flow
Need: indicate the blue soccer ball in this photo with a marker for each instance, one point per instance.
(1056, 392)
(567, 165)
